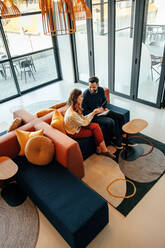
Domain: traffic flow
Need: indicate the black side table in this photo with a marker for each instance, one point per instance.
(11, 192)
(133, 127)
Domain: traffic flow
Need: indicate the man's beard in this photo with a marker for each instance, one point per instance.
(94, 92)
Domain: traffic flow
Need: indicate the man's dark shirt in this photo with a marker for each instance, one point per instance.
(92, 101)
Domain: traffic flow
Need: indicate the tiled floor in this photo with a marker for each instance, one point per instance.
(144, 226)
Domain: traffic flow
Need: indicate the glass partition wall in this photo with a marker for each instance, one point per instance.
(153, 47)
(100, 34)
(28, 58)
(123, 45)
(124, 35)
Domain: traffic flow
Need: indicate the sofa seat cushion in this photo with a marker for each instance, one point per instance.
(125, 114)
(75, 210)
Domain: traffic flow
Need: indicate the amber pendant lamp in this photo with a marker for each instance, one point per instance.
(2, 6)
(9, 9)
(81, 10)
(57, 17)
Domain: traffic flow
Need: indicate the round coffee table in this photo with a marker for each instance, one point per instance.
(131, 153)
(11, 192)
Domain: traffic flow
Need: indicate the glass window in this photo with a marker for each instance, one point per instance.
(32, 6)
(2, 49)
(7, 85)
(35, 69)
(25, 34)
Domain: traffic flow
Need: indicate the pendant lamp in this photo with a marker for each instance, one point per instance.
(9, 9)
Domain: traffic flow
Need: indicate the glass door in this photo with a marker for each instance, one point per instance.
(152, 52)
(83, 54)
(82, 50)
(100, 35)
(124, 38)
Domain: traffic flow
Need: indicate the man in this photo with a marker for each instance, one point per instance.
(94, 97)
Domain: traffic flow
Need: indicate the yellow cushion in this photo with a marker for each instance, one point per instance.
(16, 123)
(43, 112)
(23, 137)
(39, 150)
(58, 121)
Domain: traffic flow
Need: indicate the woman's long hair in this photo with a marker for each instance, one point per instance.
(73, 100)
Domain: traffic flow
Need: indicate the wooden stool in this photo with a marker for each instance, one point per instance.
(133, 127)
(7, 168)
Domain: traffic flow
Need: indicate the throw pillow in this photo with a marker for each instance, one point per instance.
(16, 123)
(43, 112)
(23, 137)
(39, 150)
(59, 105)
(58, 121)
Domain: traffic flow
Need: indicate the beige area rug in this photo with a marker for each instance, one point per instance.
(99, 172)
(19, 226)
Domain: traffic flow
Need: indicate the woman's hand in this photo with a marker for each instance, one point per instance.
(98, 111)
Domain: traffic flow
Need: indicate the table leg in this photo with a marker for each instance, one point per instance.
(131, 153)
(13, 194)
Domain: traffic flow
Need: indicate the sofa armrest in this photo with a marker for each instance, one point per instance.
(24, 115)
(106, 90)
(67, 150)
(9, 145)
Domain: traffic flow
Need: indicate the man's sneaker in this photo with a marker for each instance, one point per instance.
(130, 143)
(117, 144)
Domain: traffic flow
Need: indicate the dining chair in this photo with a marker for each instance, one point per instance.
(2, 71)
(7, 66)
(30, 59)
(26, 68)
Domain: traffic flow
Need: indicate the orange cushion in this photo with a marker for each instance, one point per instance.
(16, 123)
(43, 112)
(58, 121)
(39, 150)
(23, 137)
(59, 105)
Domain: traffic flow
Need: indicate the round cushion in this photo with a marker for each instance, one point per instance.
(39, 150)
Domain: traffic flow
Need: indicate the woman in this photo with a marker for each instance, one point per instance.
(79, 126)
